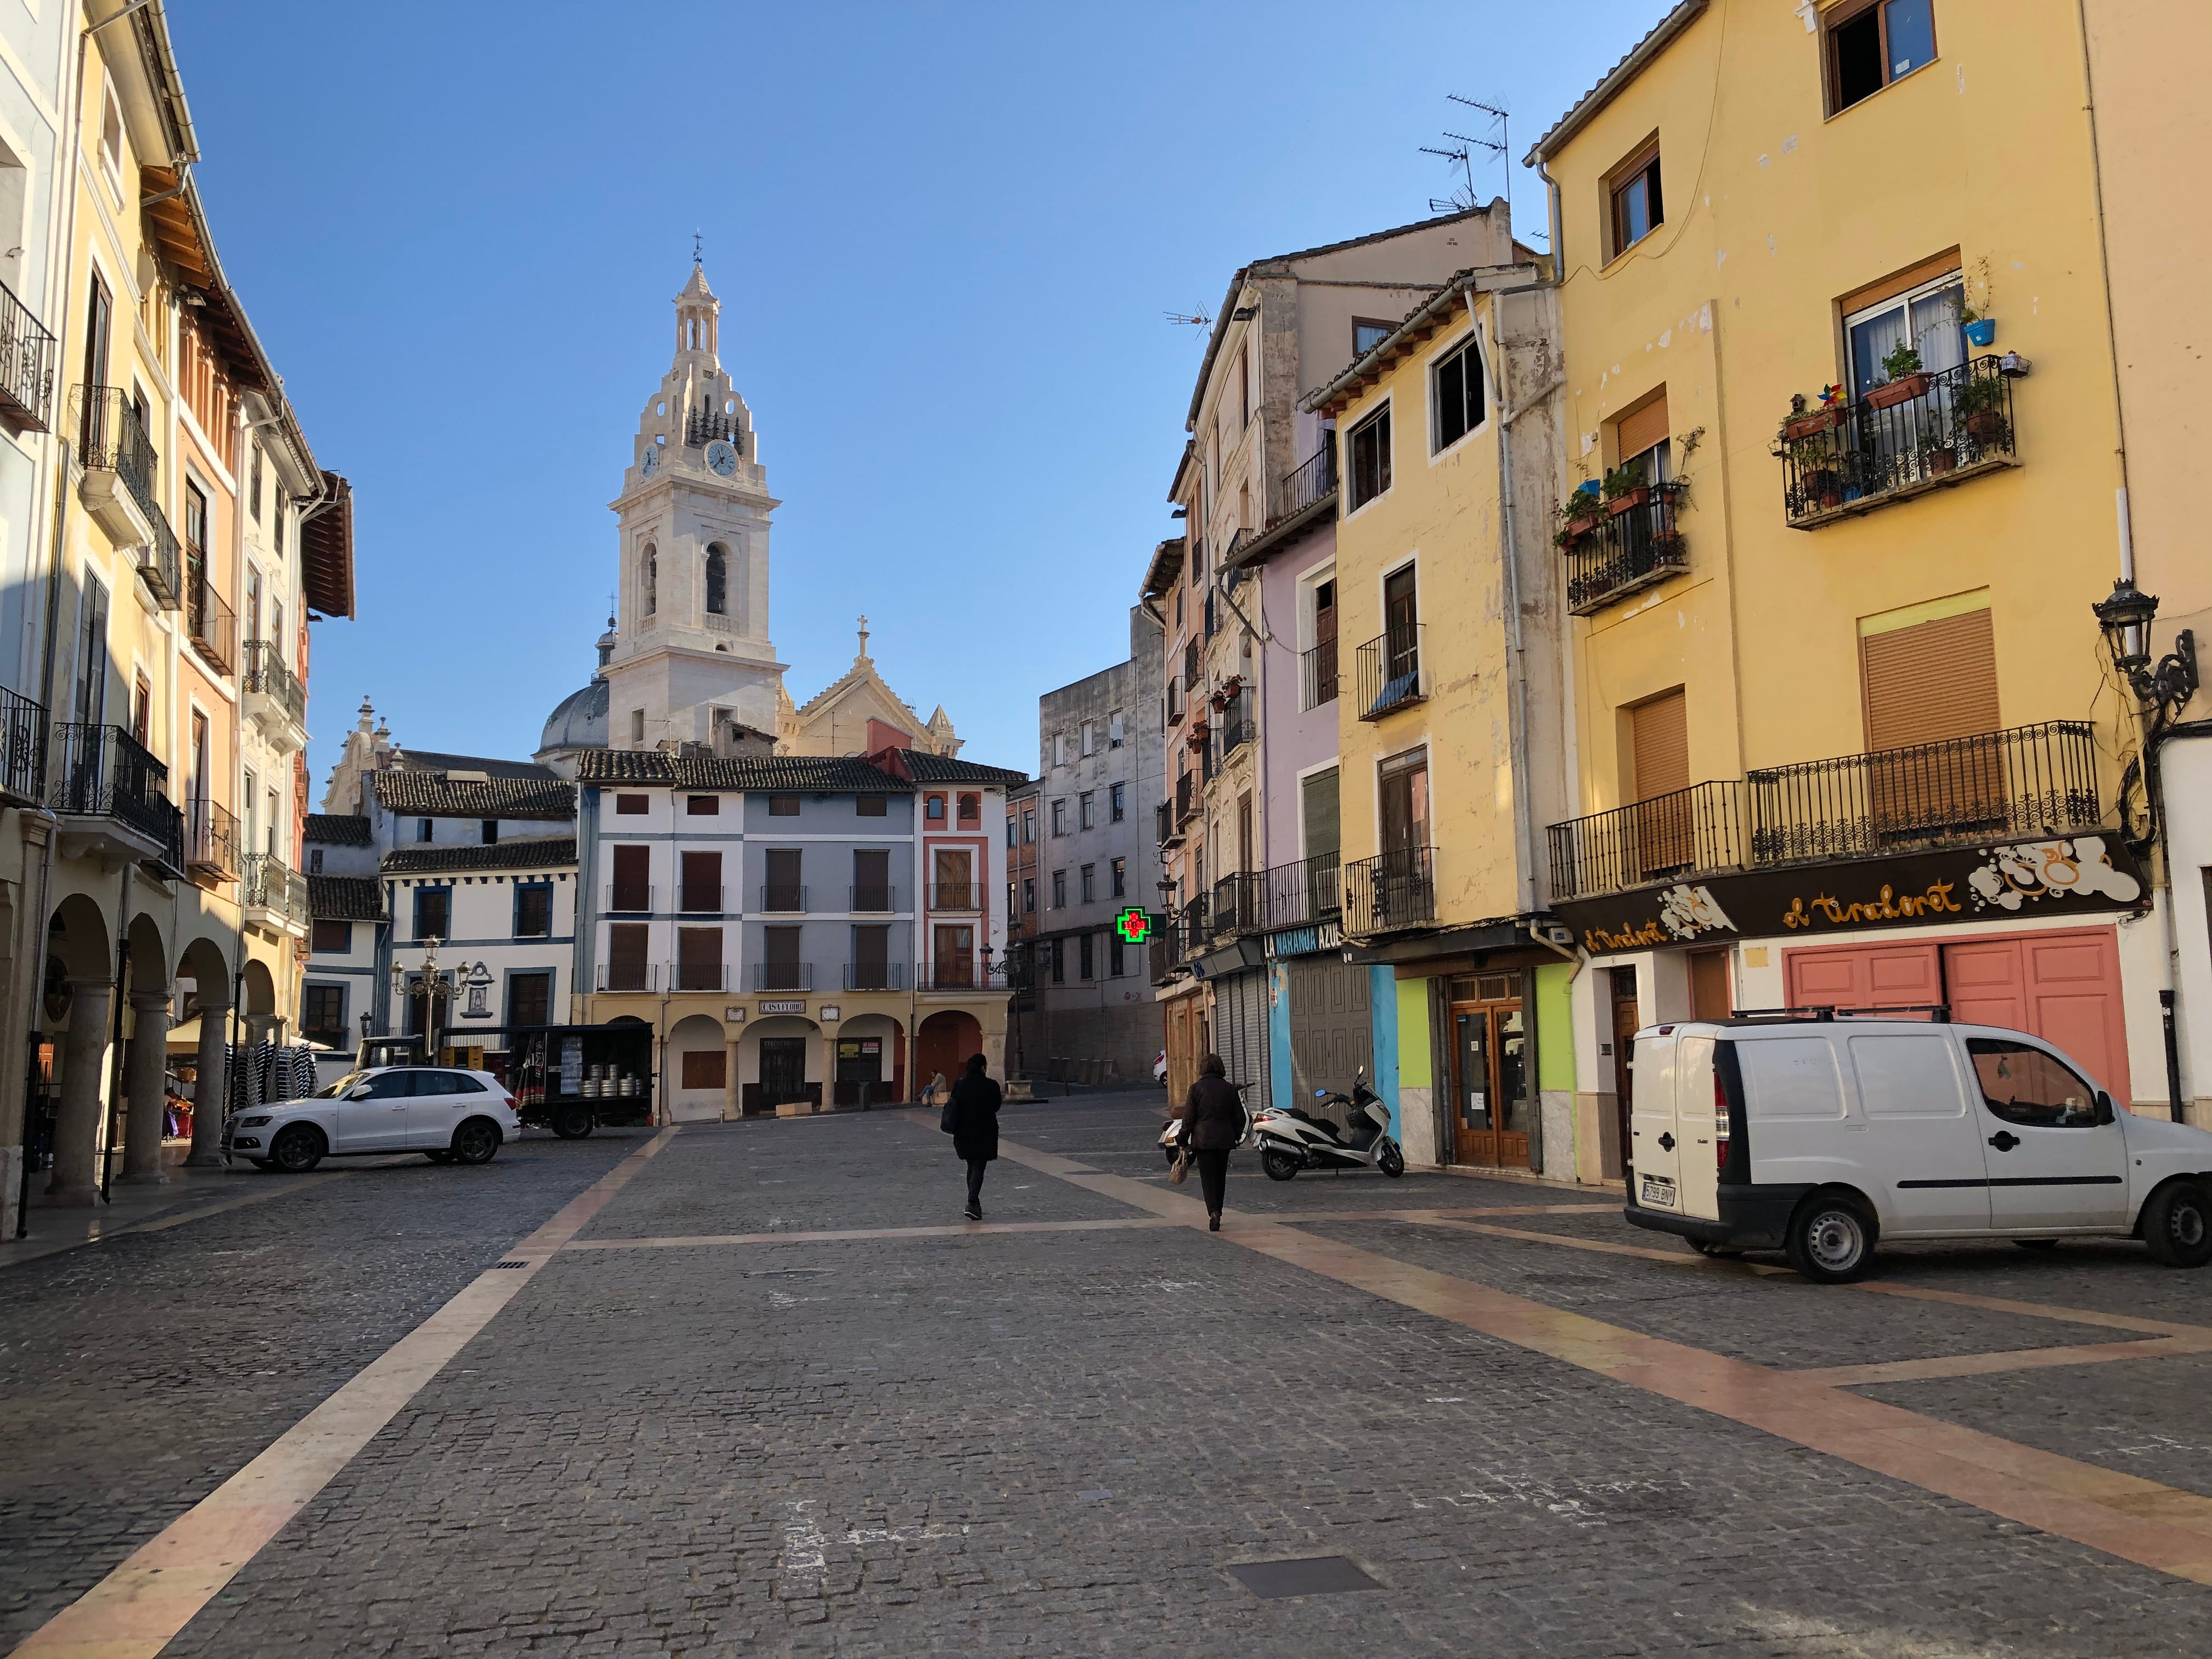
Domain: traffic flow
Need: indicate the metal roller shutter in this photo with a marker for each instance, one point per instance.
(1240, 1017)
(1332, 1038)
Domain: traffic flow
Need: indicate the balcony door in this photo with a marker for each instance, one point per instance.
(91, 656)
(871, 958)
(1659, 744)
(1926, 316)
(954, 871)
(872, 878)
(1401, 888)
(953, 963)
(781, 967)
(633, 886)
(784, 890)
(1930, 692)
(1401, 615)
(702, 885)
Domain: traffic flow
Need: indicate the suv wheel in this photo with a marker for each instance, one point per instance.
(297, 1149)
(476, 1141)
(2177, 1224)
(1830, 1240)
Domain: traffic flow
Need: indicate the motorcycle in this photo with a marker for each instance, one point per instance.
(1292, 1140)
(1173, 1127)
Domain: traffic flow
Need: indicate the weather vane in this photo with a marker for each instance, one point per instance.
(696, 258)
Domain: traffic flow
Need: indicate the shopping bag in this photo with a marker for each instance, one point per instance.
(1181, 1172)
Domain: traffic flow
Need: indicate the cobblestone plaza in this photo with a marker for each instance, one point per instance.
(756, 1387)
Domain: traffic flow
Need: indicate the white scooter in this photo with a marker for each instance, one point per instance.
(1292, 1140)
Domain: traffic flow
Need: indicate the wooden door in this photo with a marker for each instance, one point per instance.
(1625, 1022)
(1492, 1109)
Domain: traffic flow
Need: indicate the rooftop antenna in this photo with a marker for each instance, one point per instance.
(1500, 147)
(1192, 320)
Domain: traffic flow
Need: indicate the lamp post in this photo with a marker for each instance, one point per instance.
(431, 985)
(2161, 692)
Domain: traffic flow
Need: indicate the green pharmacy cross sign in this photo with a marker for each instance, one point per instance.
(1134, 925)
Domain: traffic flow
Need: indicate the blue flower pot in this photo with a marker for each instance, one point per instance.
(1982, 332)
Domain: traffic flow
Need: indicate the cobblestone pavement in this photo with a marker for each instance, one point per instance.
(1035, 1442)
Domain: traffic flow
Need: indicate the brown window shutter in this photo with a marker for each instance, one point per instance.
(1660, 745)
(1930, 680)
(626, 946)
(1636, 433)
(699, 948)
(633, 876)
(705, 1069)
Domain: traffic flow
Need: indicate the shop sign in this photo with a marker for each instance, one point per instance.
(794, 1006)
(1915, 890)
(1305, 941)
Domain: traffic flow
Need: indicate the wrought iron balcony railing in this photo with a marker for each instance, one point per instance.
(267, 676)
(958, 974)
(1163, 823)
(27, 367)
(1314, 481)
(2030, 780)
(871, 901)
(699, 898)
(1392, 891)
(783, 976)
(211, 841)
(698, 976)
(875, 976)
(112, 439)
(629, 976)
(1237, 728)
(1389, 673)
(1633, 544)
(100, 771)
(211, 624)
(955, 896)
(266, 883)
(1186, 800)
(629, 898)
(1304, 893)
(1924, 432)
(1317, 675)
(1238, 905)
(782, 898)
(23, 749)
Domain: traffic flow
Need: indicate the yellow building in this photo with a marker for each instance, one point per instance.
(1845, 731)
(1450, 720)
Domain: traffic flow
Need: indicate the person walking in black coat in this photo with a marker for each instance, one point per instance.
(973, 1117)
(1212, 1124)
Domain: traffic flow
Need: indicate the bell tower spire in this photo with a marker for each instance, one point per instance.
(698, 321)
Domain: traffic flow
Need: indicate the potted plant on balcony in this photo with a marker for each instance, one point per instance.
(1979, 407)
(1801, 422)
(1940, 452)
(1578, 515)
(1623, 488)
(1907, 379)
(1981, 328)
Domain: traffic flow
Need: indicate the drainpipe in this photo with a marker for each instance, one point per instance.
(1524, 835)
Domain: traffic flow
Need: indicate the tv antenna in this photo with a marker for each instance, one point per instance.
(1499, 144)
(1190, 319)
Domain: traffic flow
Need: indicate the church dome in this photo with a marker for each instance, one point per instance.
(578, 722)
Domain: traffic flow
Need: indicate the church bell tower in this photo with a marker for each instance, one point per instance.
(692, 653)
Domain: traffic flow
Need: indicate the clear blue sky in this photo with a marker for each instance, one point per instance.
(942, 237)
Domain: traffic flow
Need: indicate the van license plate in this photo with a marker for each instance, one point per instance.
(1660, 1191)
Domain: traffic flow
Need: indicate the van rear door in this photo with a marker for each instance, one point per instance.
(1696, 1130)
(1655, 1139)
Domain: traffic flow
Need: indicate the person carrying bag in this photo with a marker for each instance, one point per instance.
(1212, 1124)
(971, 1118)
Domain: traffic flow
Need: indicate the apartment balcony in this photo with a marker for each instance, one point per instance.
(641, 976)
(120, 490)
(629, 899)
(109, 794)
(275, 700)
(1925, 432)
(1390, 671)
(872, 901)
(1387, 894)
(1194, 670)
(782, 898)
(783, 976)
(274, 897)
(1194, 929)
(1307, 486)
(23, 751)
(960, 974)
(1175, 700)
(1317, 675)
(1237, 906)
(1302, 895)
(1186, 798)
(875, 976)
(26, 367)
(1237, 728)
(210, 842)
(211, 625)
(2028, 783)
(955, 896)
(699, 898)
(1631, 543)
(698, 976)
(1166, 831)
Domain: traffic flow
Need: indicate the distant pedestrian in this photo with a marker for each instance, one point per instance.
(1212, 1124)
(974, 1111)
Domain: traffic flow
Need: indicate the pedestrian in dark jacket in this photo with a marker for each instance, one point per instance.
(975, 1108)
(1212, 1124)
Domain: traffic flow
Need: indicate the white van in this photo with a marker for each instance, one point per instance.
(1818, 1136)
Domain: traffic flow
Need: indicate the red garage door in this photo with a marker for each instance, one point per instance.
(2062, 987)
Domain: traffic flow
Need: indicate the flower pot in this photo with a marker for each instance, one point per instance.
(1986, 427)
(1902, 390)
(1578, 528)
(1806, 425)
(1942, 460)
(1628, 499)
(1667, 549)
(1982, 332)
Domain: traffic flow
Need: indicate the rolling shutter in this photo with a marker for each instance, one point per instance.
(1661, 742)
(1636, 433)
(1240, 1012)
(1930, 681)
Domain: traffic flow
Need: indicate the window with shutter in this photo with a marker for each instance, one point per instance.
(1659, 750)
(701, 888)
(626, 957)
(1930, 689)
(698, 958)
(633, 880)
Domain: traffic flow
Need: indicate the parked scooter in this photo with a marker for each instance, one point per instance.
(1292, 1140)
(1173, 1127)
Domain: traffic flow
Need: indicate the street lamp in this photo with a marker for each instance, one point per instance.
(431, 985)
(2125, 616)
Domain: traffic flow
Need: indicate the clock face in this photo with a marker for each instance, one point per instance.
(721, 457)
(651, 464)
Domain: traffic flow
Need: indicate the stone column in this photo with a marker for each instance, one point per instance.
(84, 1059)
(145, 1069)
(211, 1094)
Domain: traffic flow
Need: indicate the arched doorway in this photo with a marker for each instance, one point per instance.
(778, 1063)
(944, 1042)
(197, 1046)
(698, 1071)
(871, 1061)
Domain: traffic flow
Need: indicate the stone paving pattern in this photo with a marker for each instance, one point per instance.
(1044, 1444)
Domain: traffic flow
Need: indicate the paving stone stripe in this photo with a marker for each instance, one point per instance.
(2017, 1359)
(134, 1612)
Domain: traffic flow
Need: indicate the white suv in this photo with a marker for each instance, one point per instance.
(450, 1116)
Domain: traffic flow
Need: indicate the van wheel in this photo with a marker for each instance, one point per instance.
(2177, 1224)
(1830, 1240)
(1280, 1166)
(572, 1122)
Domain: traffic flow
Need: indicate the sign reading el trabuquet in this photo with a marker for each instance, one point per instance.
(2056, 878)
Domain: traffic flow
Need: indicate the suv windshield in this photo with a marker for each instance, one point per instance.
(333, 1091)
